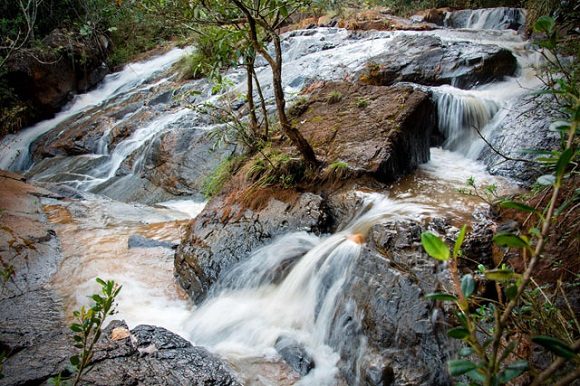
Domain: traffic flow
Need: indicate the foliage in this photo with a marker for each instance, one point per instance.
(485, 324)
(487, 193)
(87, 330)
(334, 97)
(214, 182)
(274, 167)
(362, 102)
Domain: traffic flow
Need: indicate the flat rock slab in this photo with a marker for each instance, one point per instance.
(430, 61)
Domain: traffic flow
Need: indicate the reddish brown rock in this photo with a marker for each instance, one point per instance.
(381, 131)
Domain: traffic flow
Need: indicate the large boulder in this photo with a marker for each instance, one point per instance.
(179, 160)
(225, 233)
(405, 334)
(427, 60)
(31, 310)
(380, 131)
(149, 355)
(525, 127)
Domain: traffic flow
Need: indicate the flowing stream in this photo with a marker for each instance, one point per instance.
(261, 299)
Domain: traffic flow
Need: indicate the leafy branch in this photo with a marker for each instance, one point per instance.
(87, 330)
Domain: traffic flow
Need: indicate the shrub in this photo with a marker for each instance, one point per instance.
(214, 182)
(334, 97)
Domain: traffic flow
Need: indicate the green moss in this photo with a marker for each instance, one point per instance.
(214, 183)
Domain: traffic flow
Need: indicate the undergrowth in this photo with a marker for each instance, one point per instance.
(500, 328)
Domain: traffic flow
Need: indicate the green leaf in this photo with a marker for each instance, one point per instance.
(462, 318)
(546, 179)
(460, 366)
(511, 291)
(74, 360)
(100, 281)
(476, 375)
(459, 241)
(508, 350)
(467, 285)
(518, 206)
(434, 246)
(509, 240)
(499, 274)
(75, 327)
(544, 24)
(563, 161)
(555, 345)
(441, 296)
(513, 370)
(458, 332)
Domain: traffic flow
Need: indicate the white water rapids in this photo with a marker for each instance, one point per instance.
(261, 299)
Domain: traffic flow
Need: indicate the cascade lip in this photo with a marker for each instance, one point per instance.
(357, 238)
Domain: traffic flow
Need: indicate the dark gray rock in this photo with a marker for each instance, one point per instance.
(524, 127)
(295, 355)
(31, 312)
(427, 60)
(180, 159)
(405, 338)
(138, 241)
(224, 234)
(478, 243)
(146, 355)
(151, 355)
(379, 375)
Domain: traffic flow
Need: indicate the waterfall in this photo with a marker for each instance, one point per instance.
(15, 155)
(488, 18)
(461, 115)
(290, 289)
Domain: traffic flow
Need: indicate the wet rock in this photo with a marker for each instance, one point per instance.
(180, 159)
(524, 127)
(47, 78)
(433, 15)
(379, 375)
(138, 241)
(427, 60)
(379, 131)
(225, 233)
(31, 310)
(153, 355)
(406, 340)
(295, 355)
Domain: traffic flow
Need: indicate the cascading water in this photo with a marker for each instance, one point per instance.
(487, 19)
(290, 288)
(15, 148)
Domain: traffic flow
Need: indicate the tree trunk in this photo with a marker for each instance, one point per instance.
(250, 95)
(276, 64)
(294, 135)
(263, 106)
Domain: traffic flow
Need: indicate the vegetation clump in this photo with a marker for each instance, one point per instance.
(487, 325)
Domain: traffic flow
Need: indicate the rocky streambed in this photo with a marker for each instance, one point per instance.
(319, 284)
